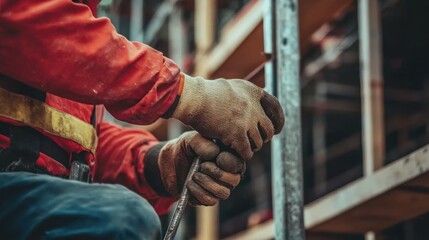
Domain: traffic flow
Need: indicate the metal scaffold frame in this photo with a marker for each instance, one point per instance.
(282, 79)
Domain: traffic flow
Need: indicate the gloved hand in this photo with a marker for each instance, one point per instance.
(167, 166)
(237, 112)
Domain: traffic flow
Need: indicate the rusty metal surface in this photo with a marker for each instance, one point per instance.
(286, 147)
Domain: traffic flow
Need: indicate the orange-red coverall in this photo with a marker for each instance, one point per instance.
(59, 47)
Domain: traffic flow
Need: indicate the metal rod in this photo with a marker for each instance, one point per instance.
(319, 139)
(286, 147)
(136, 20)
(181, 204)
(371, 85)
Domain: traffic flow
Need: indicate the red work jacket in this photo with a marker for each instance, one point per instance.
(59, 47)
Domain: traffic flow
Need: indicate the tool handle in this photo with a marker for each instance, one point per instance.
(181, 204)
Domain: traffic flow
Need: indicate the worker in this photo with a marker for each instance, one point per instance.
(60, 67)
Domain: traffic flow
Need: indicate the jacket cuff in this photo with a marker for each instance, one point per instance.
(152, 172)
(173, 106)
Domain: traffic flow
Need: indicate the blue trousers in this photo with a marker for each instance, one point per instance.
(34, 206)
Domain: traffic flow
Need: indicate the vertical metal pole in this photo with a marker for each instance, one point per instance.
(319, 139)
(371, 88)
(269, 26)
(136, 20)
(286, 147)
(371, 85)
(177, 47)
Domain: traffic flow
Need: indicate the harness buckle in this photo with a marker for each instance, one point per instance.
(80, 171)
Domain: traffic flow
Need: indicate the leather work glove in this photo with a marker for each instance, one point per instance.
(238, 113)
(167, 166)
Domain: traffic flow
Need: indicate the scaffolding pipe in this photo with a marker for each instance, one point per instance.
(283, 80)
(136, 20)
(371, 56)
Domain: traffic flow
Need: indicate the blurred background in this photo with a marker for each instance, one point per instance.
(225, 38)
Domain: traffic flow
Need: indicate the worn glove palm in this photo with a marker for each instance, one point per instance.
(168, 164)
(237, 112)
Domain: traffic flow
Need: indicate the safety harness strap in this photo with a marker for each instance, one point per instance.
(39, 115)
(23, 150)
(32, 141)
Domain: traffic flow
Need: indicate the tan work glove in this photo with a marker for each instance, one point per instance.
(237, 112)
(167, 166)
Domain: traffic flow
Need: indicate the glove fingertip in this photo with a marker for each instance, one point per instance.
(230, 162)
(205, 148)
(273, 110)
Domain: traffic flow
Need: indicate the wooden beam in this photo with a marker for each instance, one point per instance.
(207, 223)
(240, 48)
(371, 85)
(313, 14)
(233, 38)
(205, 19)
(205, 14)
(395, 193)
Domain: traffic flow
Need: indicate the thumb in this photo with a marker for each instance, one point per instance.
(205, 148)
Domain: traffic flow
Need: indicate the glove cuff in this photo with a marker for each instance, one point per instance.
(152, 172)
(190, 101)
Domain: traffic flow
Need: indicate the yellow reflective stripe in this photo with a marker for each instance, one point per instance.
(39, 115)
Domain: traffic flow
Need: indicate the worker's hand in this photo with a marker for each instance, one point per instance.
(167, 166)
(237, 112)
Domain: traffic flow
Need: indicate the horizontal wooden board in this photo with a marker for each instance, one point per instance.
(395, 193)
(240, 49)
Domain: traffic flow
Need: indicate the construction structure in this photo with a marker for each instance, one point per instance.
(353, 77)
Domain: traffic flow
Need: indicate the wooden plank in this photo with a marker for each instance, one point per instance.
(207, 223)
(395, 193)
(381, 212)
(376, 201)
(314, 13)
(265, 231)
(249, 27)
(240, 49)
(245, 58)
(205, 14)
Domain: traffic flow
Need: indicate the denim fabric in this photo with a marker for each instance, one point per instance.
(34, 206)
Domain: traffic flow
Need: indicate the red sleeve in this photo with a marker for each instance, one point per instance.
(119, 159)
(59, 47)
